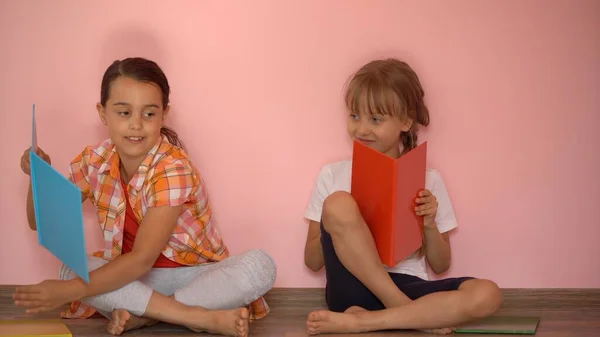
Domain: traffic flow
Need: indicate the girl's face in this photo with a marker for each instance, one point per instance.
(380, 132)
(134, 115)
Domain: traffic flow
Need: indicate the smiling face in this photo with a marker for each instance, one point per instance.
(134, 115)
(375, 118)
(385, 104)
(378, 131)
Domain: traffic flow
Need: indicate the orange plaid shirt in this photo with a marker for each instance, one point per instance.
(165, 177)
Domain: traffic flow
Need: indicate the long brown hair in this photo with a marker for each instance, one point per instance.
(144, 70)
(390, 87)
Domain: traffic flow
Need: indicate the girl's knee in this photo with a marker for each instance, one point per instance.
(340, 210)
(262, 268)
(486, 298)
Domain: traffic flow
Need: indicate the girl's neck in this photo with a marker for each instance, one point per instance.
(128, 168)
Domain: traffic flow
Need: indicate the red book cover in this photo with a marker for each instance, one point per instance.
(385, 190)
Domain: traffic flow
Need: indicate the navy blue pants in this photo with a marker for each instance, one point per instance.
(344, 290)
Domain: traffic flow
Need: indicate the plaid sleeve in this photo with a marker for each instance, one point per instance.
(78, 173)
(170, 185)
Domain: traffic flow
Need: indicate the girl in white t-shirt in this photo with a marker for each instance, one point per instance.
(385, 102)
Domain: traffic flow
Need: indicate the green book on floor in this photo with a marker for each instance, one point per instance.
(34, 328)
(507, 325)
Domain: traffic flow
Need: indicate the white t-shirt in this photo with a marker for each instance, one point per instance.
(338, 177)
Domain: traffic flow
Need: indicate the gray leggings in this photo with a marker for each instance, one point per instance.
(232, 283)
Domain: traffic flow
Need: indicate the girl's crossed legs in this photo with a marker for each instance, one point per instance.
(209, 297)
(362, 296)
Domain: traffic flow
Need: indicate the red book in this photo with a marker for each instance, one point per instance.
(385, 189)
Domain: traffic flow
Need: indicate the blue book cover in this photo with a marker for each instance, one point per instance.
(58, 212)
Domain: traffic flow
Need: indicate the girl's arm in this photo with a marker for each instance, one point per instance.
(313, 251)
(153, 234)
(30, 209)
(437, 249)
(437, 245)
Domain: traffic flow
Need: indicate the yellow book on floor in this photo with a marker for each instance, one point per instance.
(34, 328)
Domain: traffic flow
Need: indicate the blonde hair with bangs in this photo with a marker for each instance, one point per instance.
(389, 87)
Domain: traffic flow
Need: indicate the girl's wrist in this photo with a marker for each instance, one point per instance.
(430, 227)
(78, 288)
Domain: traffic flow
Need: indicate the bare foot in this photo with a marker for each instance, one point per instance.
(443, 331)
(348, 322)
(325, 321)
(224, 322)
(123, 321)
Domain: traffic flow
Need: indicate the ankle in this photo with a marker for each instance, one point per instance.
(174, 312)
(191, 313)
(363, 321)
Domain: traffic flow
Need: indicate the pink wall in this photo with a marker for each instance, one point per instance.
(513, 89)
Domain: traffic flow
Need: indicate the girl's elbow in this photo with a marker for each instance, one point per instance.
(441, 267)
(313, 265)
(143, 262)
(147, 265)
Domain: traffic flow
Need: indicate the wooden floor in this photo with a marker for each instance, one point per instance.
(563, 313)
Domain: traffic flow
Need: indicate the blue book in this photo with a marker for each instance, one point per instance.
(58, 212)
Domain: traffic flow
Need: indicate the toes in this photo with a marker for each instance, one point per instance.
(241, 331)
(312, 327)
(314, 316)
(242, 323)
(115, 330)
(443, 331)
(116, 326)
(112, 326)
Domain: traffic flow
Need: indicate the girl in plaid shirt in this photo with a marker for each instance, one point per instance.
(163, 258)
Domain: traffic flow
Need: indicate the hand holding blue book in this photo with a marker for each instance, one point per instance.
(58, 212)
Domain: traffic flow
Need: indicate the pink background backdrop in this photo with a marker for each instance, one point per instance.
(513, 89)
